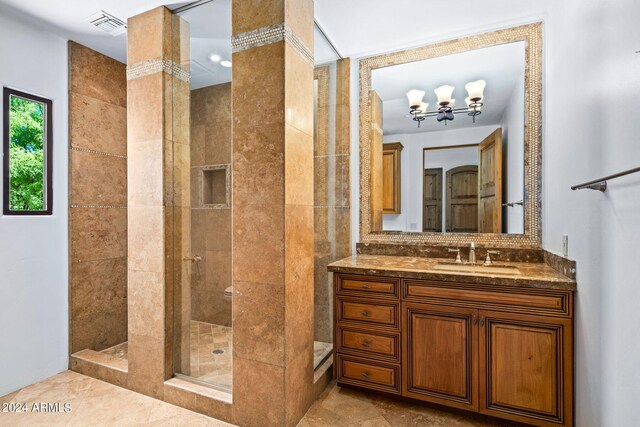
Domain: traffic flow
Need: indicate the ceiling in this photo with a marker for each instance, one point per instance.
(68, 19)
(502, 67)
(366, 27)
(210, 26)
(210, 33)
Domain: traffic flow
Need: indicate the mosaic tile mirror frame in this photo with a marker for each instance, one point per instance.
(532, 36)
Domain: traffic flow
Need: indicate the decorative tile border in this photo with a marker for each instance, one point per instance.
(152, 66)
(268, 35)
(100, 153)
(531, 34)
(97, 207)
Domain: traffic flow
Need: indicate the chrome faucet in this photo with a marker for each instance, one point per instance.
(472, 253)
(488, 261)
(457, 251)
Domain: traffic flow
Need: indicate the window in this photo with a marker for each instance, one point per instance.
(26, 148)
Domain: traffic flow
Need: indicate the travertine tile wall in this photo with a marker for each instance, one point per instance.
(272, 213)
(98, 200)
(331, 187)
(159, 202)
(211, 227)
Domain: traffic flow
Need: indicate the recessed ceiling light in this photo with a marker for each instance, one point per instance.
(226, 63)
(214, 57)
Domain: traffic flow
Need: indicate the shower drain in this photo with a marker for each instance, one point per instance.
(217, 351)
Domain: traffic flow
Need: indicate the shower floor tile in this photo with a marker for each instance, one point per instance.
(212, 353)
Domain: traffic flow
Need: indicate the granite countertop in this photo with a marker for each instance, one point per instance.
(533, 275)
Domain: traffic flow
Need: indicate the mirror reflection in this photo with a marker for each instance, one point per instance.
(453, 142)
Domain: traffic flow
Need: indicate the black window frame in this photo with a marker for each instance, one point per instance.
(48, 154)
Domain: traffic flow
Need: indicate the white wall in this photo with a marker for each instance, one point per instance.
(33, 250)
(592, 82)
(513, 160)
(410, 218)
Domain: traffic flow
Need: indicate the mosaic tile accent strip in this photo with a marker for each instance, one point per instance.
(98, 207)
(531, 34)
(152, 66)
(268, 35)
(101, 153)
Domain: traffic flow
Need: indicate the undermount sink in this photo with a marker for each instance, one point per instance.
(477, 268)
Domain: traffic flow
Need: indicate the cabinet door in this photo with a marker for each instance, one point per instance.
(391, 178)
(440, 354)
(526, 368)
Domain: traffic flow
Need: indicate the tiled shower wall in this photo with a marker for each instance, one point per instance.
(331, 186)
(98, 200)
(210, 226)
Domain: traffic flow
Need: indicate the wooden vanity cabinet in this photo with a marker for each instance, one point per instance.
(501, 351)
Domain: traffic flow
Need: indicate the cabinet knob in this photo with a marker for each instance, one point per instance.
(482, 321)
(365, 375)
(365, 313)
(474, 320)
(366, 287)
(365, 343)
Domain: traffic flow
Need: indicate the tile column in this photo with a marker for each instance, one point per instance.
(158, 196)
(272, 211)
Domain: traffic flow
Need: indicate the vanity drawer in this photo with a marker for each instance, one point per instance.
(380, 287)
(372, 375)
(369, 344)
(525, 300)
(369, 313)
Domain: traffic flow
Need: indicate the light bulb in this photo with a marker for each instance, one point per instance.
(214, 57)
(226, 63)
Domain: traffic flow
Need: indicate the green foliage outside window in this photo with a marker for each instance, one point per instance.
(26, 155)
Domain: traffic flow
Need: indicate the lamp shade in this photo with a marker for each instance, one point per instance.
(452, 103)
(423, 107)
(476, 89)
(444, 94)
(415, 97)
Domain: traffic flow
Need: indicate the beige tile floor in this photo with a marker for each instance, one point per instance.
(212, 350)
(342, 407)
(96, 403)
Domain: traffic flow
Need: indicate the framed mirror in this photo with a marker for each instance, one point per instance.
(467, 114)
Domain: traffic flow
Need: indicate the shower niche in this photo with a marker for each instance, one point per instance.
(215, 186)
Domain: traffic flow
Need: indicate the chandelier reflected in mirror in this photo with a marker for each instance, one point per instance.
(419, 111)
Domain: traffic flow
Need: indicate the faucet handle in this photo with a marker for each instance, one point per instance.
(488, 261)
(458, 259)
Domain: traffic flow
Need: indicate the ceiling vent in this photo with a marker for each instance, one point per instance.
(107, 23)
